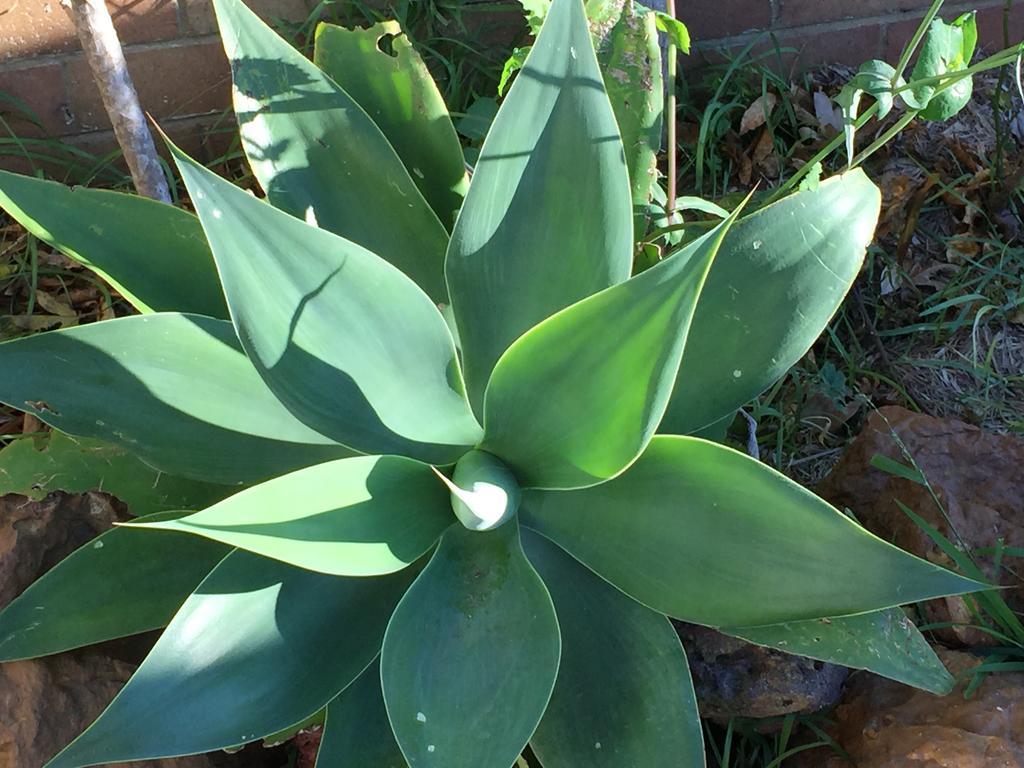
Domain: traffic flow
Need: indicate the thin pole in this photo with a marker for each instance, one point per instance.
(670, 119)
(106, 60)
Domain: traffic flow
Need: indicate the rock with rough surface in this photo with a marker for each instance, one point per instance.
(977, 476)
(36, 535)
(882, 724)
(45, 703)
(734, 678)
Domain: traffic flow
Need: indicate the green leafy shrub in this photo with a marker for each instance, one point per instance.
(459, 531)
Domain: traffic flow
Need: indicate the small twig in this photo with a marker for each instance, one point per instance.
(106, 60)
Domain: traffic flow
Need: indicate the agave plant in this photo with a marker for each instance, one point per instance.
(431, 495)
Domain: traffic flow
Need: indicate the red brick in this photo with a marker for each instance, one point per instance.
(184, 79)
(41, 89)
(29, 27)
(990, 26)
(804, 48)
(709, 19)
(205, 138)
(794, 13)
(200, 19)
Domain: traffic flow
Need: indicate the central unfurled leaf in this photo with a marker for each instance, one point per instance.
(121, 583)
(364, 516)
(577, 398)
(624, 695)
(547, 220)
(320, 157)
(780, 275)
(175, 390)
(104, 230)
(258, 647)
(706, 534)
(347, 342)
(398, 93)
(471, 653)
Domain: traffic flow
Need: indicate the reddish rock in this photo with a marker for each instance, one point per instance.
(45, 703)
(35, 536)
(882, 724)
(977, 476)
(733, 678)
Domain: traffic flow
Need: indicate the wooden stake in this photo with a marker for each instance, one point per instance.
(106, 60)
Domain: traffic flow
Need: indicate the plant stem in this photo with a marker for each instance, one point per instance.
(882, 140)
(915, 41)
(823, 153)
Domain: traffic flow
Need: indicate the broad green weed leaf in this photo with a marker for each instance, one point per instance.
(79, 464)
(884, 642)
(947, 48)
(578, 397)
(357, 731)
(471, 653)
(348, 343)
(547, 220)
(320, 157)
(175, 390)
(780, 275)
(706, 534)
(363, 516)
(248, 655)
(398, 93)
(121, 583)
(875, 78)
(623, 695)
(154, 254)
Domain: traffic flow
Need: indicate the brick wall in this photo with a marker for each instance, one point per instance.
(833, 31)
(182, 76)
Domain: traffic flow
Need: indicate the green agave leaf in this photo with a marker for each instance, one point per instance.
(348, 343)
(780, 275)
(947, 48)
(884, 642)
(471, 653)
(707, 534)
(624, 696)
(547, 220)
(397, 91)
(103, 230)
(258, 647)
(121, 583)
(175, 390)
(363, 516)
(320, 157)
(78, 464)
(357, 732)
(577, 398)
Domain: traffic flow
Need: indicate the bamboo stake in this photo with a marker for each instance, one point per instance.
(106, 60)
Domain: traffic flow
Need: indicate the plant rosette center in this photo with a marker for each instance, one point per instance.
(484, 491)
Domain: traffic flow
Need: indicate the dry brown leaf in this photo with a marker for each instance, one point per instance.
(959, 250)
(54, 305)
(828, 115)
(41, 322)
(758, 112)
